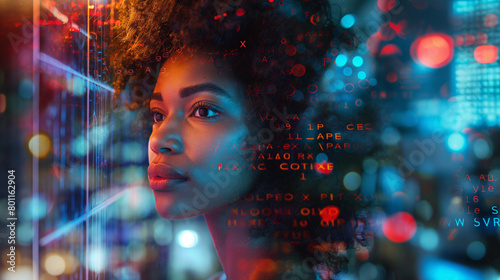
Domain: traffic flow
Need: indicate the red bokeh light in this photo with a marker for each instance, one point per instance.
(392, 77)
(240, 12)
(323, 167)
(386, 5)
(433, 50)
(400, 227)
(486, 54)
(390, 49)
(490, 20)
(330, 213)
(298, 70)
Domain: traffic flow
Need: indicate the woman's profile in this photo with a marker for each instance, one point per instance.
(233, 96)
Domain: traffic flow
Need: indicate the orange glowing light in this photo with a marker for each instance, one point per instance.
(433, 50)
(330, 213)
(486, 54)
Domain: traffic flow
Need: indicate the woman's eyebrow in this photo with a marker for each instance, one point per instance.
(210, 87)
(187, 91)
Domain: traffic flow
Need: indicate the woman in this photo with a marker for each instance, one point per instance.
(236, 115)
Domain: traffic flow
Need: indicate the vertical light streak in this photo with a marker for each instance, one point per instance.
(36, 117)
(88, 149)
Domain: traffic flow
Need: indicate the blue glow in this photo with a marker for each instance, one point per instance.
(341, 60)
(362, 48)
(456, 141)
(339, 84)
(26, 89)
(298, 96)
(321, 157)
(361, 75)
(481, 148)
(357, 61)
(352, 181)
(98, 259)
(348, 21)
(373, 82)
(476, 250)
(187, 238)
(437, 269)
(329, 74)
(348, 71)
(429, 239)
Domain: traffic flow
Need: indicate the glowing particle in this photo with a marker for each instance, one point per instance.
(39, 145)
(347, 71)
(392, 77)
(55, 265)
(433, 50)
(330, 213)
(341, 60)
(486, 54)
(290, 50)
(240, 12)
(400, 227)
(490, 20)
(298, 70)
(348, 21)
(357, 61)
(386, 5)
(476, 250)
(361, 75)
(456, 141)
(352, 181)
(187, 238)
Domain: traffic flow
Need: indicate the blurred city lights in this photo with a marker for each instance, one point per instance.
(476, 250)
(400, 227)
(55, 264)
(352, 181)
(348, 21)
(456, 141)
(39, 145)
(433, 50)
(187, 238)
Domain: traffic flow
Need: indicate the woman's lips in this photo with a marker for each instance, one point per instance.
(163, 177)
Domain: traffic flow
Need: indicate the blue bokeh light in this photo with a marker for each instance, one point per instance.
(357, 61)
(341, 60)
(348, 21)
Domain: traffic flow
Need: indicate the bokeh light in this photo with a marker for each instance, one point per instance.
(55, 264)
(476, 250)
(348, 21)
(433, 50)
(400, 227)
(352, 181)
(456, 141)
(187, 238)
(429, 239)
(341, 60)
(357, 61)
(39, 145)
(486, 54)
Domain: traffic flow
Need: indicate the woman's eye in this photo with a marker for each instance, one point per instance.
(158, 117)
(205, 112)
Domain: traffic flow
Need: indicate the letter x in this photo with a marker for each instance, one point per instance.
(243, 44)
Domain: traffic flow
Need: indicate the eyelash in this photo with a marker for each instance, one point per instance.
(198, 105)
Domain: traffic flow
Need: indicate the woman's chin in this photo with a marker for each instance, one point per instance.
(176, 210)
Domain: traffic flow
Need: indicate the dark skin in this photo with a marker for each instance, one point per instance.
(197, 114)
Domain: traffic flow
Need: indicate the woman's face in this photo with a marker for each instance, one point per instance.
(198, 127)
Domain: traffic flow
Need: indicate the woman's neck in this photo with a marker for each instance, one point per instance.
(244, 256)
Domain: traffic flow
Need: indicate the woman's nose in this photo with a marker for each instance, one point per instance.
(166, 138)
